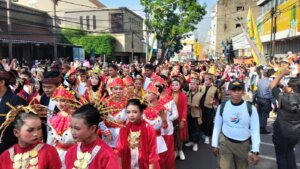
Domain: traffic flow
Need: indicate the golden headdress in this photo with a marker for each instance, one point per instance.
(96, 71)
(38, 109)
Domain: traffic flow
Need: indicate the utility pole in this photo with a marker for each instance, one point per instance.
(10, 50)
(274, 30)
(132, 47)
(271, 34)
(147, 34)
(54, 29)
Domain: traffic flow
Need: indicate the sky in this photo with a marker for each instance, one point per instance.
(134, 5)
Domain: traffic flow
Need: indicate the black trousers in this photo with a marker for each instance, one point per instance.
(264, 106)
(208, 116)
(194, 129)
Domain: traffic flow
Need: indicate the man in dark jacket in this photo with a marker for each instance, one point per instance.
(286, 129)
(7, 96)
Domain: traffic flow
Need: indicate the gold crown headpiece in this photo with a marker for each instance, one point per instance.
(37, 109)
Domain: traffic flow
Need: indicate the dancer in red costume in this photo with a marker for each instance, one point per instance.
(155, 114)
(129, 88)
(116, 102)
(172, 114)
(60, 134)
(90, 152)
(181, 102)
(29, 152)
(136, 145)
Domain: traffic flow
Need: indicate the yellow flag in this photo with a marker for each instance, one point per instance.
(254, 35)
(151, 50)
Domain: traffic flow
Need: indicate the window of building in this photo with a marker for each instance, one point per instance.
(237, 25)
(94, 22)
(225, 27)
(87, 22)
(239, 8)
(81, 22)
(117, 22)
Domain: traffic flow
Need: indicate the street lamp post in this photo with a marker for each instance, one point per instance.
(54, 29)
(147, 35)
(10, 53)
(132, 47)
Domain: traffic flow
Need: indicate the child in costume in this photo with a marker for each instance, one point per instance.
(59, 134)
(136, 145)
(166, 99)
(155, 114)
(181, 126)
(94, 90)
(90, 152)
(115, 105)
(138, 86)
(29, 152)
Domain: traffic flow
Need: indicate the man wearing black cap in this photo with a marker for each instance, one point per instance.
(7, 96)
(238, 126)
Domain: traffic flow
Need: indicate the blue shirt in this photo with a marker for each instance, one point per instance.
(263, 90)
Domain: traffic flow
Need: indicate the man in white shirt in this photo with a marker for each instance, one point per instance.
(148, 73)
(235, 127)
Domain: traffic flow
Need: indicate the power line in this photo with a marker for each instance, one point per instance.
(79, 4)
(65, 20)
(33, 14)
(47, 26)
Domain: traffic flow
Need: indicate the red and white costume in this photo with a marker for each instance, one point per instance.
(152, 116)
(116, 119)
(60, 134)
(138, 152)
(168, 134)
(42, 156)
(101, 156)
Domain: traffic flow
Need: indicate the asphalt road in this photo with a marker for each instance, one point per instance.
(204, 159)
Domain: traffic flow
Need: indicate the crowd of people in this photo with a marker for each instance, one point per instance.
(82, 115)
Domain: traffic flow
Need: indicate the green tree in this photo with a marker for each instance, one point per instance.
(172, 21)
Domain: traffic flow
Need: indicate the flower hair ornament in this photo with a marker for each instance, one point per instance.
(37, 109)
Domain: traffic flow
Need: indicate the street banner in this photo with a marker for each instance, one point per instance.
(257, 49)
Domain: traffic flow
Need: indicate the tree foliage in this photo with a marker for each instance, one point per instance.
(101, 44)
(173, 20)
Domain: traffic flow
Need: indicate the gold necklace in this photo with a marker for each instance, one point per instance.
(134, 139)
(84, 159)
(27, 159)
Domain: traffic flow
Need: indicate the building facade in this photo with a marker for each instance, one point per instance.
(94, 18)
(123, 24)
(287, 26)
(62, 6)
(31, 33)
(226, 25)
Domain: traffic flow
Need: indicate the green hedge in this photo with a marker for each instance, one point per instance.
(102, 44)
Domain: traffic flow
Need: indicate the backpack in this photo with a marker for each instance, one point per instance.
(249, 108)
